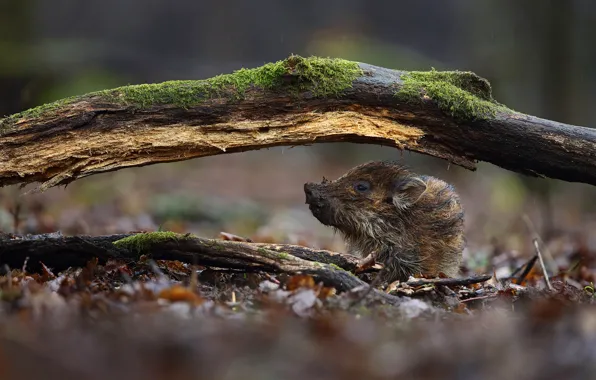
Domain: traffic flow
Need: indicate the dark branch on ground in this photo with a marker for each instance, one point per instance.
(61, 252)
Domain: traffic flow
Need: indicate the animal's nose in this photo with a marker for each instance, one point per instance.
(307, 189)
(311, 193)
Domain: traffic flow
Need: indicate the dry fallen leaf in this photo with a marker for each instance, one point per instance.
(300, 281)
(179, 293)
(326, 292)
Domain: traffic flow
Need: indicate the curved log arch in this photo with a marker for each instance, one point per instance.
(297, 101)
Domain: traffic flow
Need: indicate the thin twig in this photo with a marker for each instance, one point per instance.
(194, 275)
(23, 268)
(478, 298)
(548, 285)
(450, 281)
(15, 211)
(534, 231)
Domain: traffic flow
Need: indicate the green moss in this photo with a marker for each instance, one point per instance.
(321, 76)
(140, 243)
(463, 95)
(337, 267)
(284, 255)
(9, 121)
(215, 244)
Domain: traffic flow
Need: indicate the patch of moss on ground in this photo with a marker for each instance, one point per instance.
(140, 243)
(463, 95)
(321, 76)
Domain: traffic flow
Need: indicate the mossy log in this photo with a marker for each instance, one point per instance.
(296, 101)
(61, 252)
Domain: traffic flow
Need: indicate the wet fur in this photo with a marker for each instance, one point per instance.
(412, 224)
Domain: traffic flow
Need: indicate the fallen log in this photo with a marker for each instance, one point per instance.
(57, 251)
(61, 252)
(297, 101)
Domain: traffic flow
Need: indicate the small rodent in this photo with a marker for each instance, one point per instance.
(412, 224)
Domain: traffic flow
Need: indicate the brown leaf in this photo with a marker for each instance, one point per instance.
(179, 293)
(326, 292)
(86, 276)
(300, 281)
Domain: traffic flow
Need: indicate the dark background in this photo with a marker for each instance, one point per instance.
(539, 55)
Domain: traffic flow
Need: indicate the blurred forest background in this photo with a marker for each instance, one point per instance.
(538, 54)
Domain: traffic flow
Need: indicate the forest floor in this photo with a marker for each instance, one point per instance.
(150, 319)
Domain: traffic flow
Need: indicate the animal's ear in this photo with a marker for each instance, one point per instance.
(407, 191)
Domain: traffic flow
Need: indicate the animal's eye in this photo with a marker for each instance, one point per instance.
(362, 186)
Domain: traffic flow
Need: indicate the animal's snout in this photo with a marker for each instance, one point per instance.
(308, 191)
(313, 195)
(318, 202)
